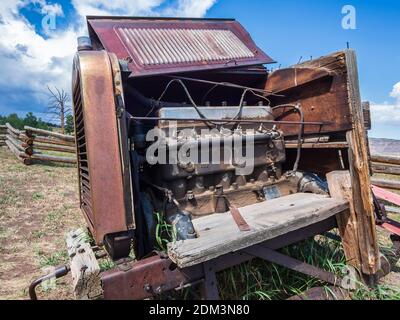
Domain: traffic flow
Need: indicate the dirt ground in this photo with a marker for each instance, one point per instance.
(38, 205)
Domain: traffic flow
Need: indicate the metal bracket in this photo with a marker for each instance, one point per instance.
(293, 264)
(210, 284)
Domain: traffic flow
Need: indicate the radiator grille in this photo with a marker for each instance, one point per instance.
(83, 166)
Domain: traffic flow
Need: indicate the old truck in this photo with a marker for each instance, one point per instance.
(180, 123)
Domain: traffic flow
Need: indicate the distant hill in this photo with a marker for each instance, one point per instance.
(385, 146)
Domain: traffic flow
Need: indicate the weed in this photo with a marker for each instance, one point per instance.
(37, 196)
(53, 259)
(165, 233)
(106, 264)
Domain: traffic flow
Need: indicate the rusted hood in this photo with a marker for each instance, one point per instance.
(161, 46)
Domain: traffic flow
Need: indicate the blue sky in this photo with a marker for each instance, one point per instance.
(286, 30)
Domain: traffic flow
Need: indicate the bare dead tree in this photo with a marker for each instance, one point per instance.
(59, 106)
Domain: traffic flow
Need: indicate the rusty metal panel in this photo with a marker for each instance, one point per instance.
(101, 185)
(160, 46)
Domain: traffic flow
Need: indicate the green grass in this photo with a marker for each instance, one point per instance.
(165, 233)
(261, 280)
(37, 196)
(106, 264)
(55, 259)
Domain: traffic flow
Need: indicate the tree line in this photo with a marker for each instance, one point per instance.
(31, 120)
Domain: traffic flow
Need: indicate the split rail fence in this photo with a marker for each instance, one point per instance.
(33, 144)
(386, 171)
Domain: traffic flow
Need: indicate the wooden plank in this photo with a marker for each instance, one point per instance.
(323, 97)
(21, 156)
(85, 269)
(360, 173)
(383, 183)
(47, 157)
(218, 234)
(366, 114)
(385, 168)
(385, 159)
(65, 137)
(22, 146)
(315, 145)
(12, 129)
(386, 195)
(53, 147)
(340, 188)
(392, 209)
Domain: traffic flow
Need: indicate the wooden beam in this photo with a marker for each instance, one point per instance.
(383, 183)
(85, 269)
(21, 146)
(385, 168)
(340, 188)
(30, 131)
(386, 159)
(218, 234)
(39, 139)
(21, 156)
(53, 147)
(47, 157)
(321, 145)
(366, 115)
(360, 173)
(12, 129)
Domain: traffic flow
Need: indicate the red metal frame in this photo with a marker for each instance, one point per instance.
(389, 224)
(158, 274)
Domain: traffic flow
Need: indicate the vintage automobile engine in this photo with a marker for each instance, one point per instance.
(202, 163)
(175, 120)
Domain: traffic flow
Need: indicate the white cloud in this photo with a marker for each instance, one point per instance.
(387, 113)
(396, 92)
(190, 8)
(31, 61)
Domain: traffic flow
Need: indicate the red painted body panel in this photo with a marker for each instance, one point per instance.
(162, 46)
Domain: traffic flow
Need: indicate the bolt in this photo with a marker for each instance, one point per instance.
(190, 195)
(158, 290)
(147, 287)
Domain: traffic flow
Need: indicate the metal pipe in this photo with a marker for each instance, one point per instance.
(226, 84)
(58, 273)
(313, 123)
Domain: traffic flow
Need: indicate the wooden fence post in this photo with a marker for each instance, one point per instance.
(360, 174)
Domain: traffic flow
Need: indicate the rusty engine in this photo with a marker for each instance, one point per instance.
(199, 85)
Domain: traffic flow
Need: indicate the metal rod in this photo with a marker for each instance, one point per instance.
(226, 84)
(314, 123)
(58, 273)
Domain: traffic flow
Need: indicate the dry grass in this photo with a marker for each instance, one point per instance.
(38, 205)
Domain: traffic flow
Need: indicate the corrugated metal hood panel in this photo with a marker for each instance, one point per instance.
(161, 46)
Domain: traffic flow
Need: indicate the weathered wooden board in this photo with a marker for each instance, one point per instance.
(383, 183)
(319, 86)
(360, 173)
(340, 187)
(84, 266)
(218, 234)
